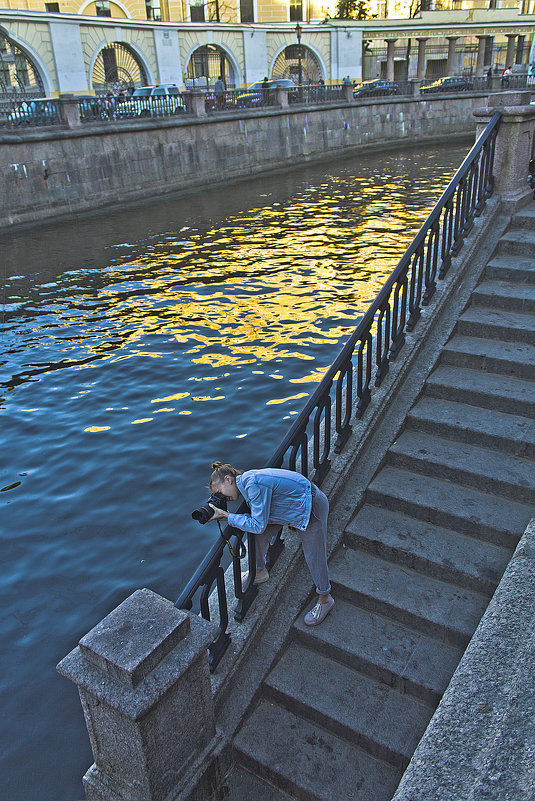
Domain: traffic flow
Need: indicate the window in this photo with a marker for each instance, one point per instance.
(247, 10)
(296, 10)
(197, 11)
(103, 8)
(53, 8)
(153, 9)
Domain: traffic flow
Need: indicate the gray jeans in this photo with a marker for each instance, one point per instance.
(313, 540)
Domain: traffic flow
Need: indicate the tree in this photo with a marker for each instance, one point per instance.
(351, 9)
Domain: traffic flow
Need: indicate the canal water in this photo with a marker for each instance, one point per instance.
(136, 348)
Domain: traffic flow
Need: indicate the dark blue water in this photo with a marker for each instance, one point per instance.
(136, 348)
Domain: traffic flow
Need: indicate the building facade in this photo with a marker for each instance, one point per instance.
(46, 54)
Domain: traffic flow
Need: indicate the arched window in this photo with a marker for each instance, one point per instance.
(287, 64)
(204, 66)
(117, 68)
(19, 77)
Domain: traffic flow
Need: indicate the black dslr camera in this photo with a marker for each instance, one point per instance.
(205, 513)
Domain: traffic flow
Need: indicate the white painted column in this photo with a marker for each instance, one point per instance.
(66, 43)
(255, 55)
(168, 62)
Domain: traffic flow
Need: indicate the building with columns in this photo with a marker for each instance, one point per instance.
(46, 54)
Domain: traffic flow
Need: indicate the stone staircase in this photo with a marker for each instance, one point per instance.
(342, 710)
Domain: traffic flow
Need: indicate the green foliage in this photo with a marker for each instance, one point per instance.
(351, 9)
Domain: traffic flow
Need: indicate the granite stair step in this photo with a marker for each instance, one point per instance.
(433, 607)
(525, 218)
(478, 388)
(505, 295)
(435, 551)
(462, 509)
(512, 477)
(517, 242)
(404, 659)
(309, 762)
(477, 321)
(508, 358)
(384, 723)
(241, 785)
(475, 425)
(511, 268)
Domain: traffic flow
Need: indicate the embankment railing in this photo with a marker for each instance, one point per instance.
(346, 388)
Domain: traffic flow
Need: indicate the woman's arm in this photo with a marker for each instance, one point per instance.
(259, 499)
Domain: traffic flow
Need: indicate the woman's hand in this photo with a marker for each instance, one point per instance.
(220, 514)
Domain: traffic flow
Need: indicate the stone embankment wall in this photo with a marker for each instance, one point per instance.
(52, 173)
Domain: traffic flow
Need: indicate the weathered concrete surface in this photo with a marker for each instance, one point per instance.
(54, 173)
(480, 743)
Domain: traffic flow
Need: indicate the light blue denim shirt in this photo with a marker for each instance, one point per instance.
(273, 496)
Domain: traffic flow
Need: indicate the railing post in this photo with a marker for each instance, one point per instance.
(513, 144)
(281, 96)
(143, 678)
(69, 111)
(196, 104)
(347, 92)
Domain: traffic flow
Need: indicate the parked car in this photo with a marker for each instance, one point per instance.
(449, 84)
(256, 95)
(41, 111)
(148, 101)
(376, 88)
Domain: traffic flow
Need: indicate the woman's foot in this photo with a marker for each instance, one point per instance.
(318, 614)
(261, 577)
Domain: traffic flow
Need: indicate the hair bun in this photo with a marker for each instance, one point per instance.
(216, 465)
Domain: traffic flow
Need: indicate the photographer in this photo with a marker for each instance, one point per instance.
(279, 497)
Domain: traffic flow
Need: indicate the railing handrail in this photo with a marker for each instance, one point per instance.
(462, 200)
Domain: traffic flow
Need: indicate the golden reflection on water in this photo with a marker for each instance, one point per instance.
(277, 283)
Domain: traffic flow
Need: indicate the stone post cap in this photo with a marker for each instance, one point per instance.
(509, 99)
(135, 637)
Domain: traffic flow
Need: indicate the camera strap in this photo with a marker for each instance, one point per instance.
(242, 550)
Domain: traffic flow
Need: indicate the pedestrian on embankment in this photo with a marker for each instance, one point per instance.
(279, 497)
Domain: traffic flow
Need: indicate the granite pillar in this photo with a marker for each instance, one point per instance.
(451, 67)
(69, 111)
(421, 65)
(513, 144)
(390, 44)
(144, 683)
(480, 61)
(511, 44)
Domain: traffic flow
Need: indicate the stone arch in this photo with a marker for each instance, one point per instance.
(87, 3)
(285, 63)
(22, 70)
(118, 65)
(205, 62)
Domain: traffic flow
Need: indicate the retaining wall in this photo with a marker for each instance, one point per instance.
(51, 173)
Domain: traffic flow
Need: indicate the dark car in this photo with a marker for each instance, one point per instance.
(376, 88)
(449, 84)
(259, 95)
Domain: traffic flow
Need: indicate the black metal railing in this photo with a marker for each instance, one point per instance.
(313, 94)
(30, 113)
(324, 423)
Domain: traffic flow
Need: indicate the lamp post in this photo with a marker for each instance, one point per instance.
(298, 32)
